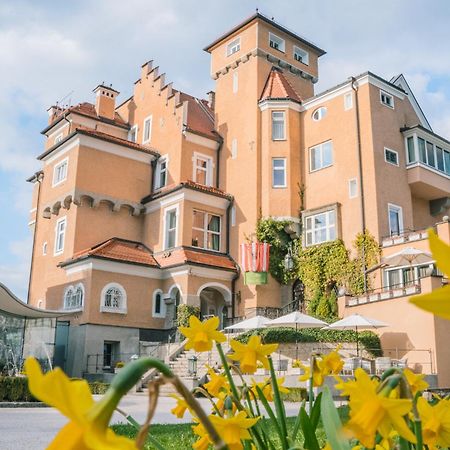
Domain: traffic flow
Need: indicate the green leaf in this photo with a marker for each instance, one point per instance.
(332, 423)
(308, 432)
(270, 412)
(297, 422)
(315, 413)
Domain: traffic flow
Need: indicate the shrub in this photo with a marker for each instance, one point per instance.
(98, 388)
(184, 312)
(15, 389)
(367, 339)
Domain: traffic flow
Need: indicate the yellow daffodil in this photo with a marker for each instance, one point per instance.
(318, 375)
(88, 426)
(202, 334)
(371, 411)
(221, 397)
(216, 383)
(204, 441)
(416, 381)
(180, 408)
(266, 388)
(332, 363)
(234, 429)
(435, 423)
(438, 301)
(248, 354)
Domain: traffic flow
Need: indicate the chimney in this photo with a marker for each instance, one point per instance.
(211, 99)
(53, 112)
(105, 101)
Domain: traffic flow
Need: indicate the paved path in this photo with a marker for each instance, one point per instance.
(34, 428)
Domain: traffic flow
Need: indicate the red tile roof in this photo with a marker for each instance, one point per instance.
(121, 250)
(189, 184)
(190, 255)
(116, 140)
(88, 110)
(278, 87)
(200, 117)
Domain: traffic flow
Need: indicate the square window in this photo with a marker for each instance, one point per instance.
(234, 46)
(321, 156)
(276, 42)
(387, 99)
(206, 229)
(391, 156)
(320, 227)
(301, 55)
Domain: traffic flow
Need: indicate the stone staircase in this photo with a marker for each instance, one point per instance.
(179, 364)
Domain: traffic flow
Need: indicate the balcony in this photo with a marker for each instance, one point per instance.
(426, 182)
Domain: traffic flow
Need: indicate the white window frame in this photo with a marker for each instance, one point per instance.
(44, 248)
(353, 182)
(58, 232)
(233, 216)
(319, 113)
(206, 231)
(208, 170)
(304, 53)
(399, 210)
(63, 163)
(58, 138)
(158, 172)
(148, 123)
(71, 289)
(122, 309)
(162, 312)
(281, 44)
(235, 82)
(384, 93)
(348, 101)
(279, 169)
(133, 130)
(273, 119)
(233, 46)
(327, 227)
(386, 149)
(166, 230)
(320, 146)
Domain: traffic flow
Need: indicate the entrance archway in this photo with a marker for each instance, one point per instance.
(214, 301)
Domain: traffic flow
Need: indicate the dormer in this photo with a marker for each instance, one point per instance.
(105, 101)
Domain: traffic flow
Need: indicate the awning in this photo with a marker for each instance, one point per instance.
(10, 304)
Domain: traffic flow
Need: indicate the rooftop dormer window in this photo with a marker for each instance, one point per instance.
(301, 55)
(234, 46)
(276, 42)
(387, 99)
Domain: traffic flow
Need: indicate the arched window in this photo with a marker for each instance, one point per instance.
(159, 307)
(113, 299)
(74, 296)
(319, 113)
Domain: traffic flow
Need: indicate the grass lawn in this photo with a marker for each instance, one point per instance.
(180, 436)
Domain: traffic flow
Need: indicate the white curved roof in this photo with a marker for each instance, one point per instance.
(10, 304)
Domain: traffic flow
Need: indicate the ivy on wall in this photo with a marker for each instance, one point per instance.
(321, 268)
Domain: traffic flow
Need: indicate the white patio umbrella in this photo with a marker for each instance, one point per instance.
(298, 320)
(355, 322)
(408, 255)
(250, 324)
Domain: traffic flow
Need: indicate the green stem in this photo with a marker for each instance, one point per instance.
(418, 432)
(279, 406)
(226, 369)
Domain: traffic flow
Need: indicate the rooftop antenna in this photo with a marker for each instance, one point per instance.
(257, 9)
(69, 96)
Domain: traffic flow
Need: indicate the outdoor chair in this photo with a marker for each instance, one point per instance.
(382, 364)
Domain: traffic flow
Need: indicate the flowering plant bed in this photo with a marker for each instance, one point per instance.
(384, 412)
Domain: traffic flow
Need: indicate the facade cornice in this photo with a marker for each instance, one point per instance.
(274, 103)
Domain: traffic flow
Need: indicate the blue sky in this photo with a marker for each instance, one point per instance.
(48, 49)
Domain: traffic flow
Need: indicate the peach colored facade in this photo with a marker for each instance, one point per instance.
(142, 206)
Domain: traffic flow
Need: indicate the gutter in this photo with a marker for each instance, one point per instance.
(354, 85)
(219, 149)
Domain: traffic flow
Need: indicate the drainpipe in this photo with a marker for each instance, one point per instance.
(153, 174)
(219, 148)
(360, 174)
(39, 176)
(236, 276)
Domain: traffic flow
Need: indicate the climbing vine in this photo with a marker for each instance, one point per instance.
(184, 312)
(273, 232)
(321, 268)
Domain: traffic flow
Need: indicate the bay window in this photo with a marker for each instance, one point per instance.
(320, 227)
